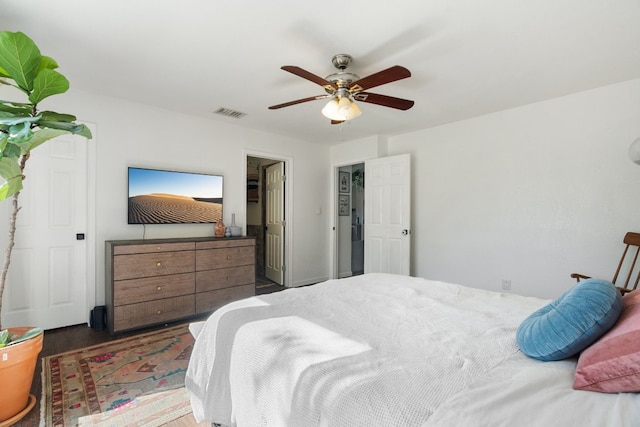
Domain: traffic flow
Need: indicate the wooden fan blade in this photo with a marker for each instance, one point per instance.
(309, 76)
(384, 100)
(298, 101)
(336, 122)
(389, 75)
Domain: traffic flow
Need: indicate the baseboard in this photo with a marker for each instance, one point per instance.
(307, 282)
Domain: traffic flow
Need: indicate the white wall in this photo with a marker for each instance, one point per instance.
(530, 194)
(349, 153)
(139, 135)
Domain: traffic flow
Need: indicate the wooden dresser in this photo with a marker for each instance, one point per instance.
(160, 280)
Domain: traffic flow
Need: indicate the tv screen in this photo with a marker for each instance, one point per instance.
(172, 197)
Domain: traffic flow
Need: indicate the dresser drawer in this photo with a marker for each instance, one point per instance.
(211, 259)
(152, 288)
(151, 312)
(210, 280)
(225, 243)
(212, 300)
(152, 264)
(153, 248)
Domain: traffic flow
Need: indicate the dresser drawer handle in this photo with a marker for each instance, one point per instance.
(158, 311)
(157, 248)
(227, 278)
(159, 288)
(159, 264)
(228, 257)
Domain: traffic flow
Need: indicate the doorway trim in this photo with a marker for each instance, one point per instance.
(288, 206)
(91, 232)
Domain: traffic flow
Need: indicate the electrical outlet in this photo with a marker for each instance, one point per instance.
(506, 285)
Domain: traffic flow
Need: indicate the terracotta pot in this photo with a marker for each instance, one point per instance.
(17, 366)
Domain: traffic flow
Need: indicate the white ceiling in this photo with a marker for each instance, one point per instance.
(467, 58)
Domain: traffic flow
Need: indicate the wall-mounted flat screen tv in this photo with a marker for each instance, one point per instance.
(172, 197)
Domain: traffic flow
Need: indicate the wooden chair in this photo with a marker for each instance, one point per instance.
(627, 265)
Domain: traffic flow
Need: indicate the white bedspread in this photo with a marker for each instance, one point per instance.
(382, 350)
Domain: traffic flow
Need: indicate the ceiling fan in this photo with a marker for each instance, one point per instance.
(344, 88)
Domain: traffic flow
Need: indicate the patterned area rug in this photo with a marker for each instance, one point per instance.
(105, 377)
(165, 408)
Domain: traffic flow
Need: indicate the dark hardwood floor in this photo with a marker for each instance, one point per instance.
(73, 337)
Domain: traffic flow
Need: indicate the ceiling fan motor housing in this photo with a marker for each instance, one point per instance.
(342, 79)
(341, 61)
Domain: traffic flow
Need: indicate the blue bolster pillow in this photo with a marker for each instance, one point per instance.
(568, 325)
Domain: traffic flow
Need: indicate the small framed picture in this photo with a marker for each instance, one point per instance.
(344, 180)
(343, 205)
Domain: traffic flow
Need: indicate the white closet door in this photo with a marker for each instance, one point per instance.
(388, 215)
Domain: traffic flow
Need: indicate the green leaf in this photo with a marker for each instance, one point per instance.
(10, 187)
(20, 58)
(74, 128)
(6, 114)
(18, 111)
(46, 83)
(43, 135)
(8, 83)
(15, 120)
(12, 149)
(4, 337)
(10, 171)
(9, 168)
(52, 116)
(21, 133)
(16, 104)
(48, 63)
(84, 131)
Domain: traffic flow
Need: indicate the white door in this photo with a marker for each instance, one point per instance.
(387, 241)
(275, 223)
(47, 280)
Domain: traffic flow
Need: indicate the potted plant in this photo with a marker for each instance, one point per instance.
(23, 127)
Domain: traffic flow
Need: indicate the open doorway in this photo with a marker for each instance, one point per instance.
(374, 214)
(350, 220)
(265, 219)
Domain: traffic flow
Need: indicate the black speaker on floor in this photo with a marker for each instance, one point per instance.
(98, 320)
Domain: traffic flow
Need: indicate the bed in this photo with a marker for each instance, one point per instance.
(385, 350)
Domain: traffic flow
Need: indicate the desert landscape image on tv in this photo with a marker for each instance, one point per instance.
(171, 197)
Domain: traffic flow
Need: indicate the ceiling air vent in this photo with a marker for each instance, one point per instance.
(230, 113)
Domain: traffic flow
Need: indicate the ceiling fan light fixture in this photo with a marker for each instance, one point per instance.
(354, 110)
(340, 109)
(330, 110)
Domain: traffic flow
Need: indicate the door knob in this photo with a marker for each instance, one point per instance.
(405, 232)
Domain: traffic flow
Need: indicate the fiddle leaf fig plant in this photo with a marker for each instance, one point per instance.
(23, 127)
